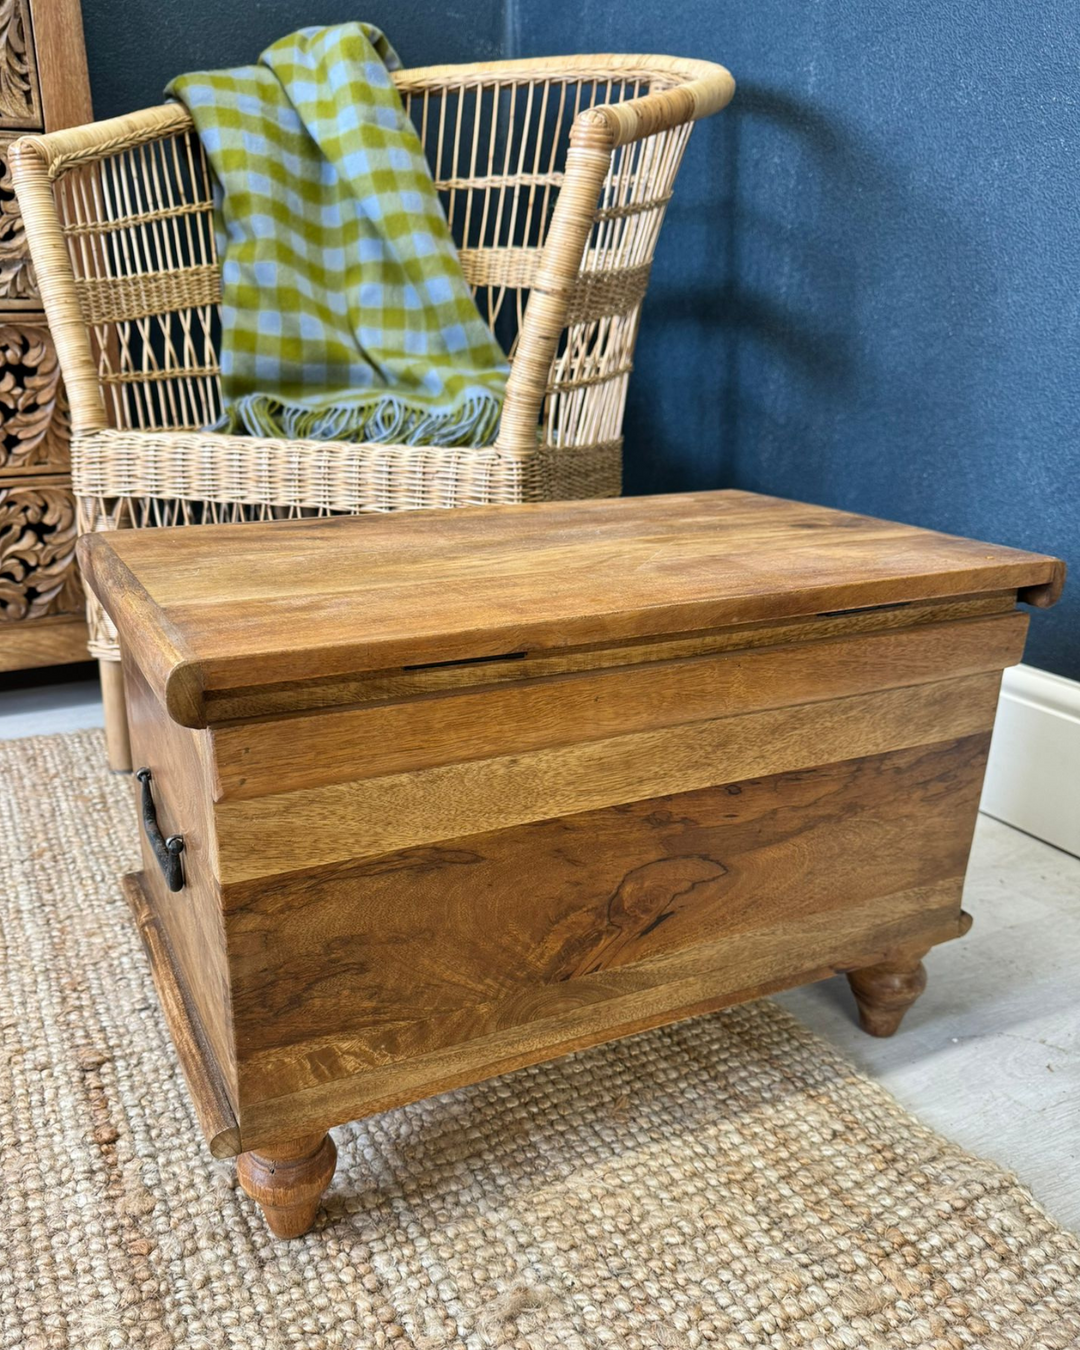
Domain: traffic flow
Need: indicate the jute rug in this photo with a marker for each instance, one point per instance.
(729, 1182)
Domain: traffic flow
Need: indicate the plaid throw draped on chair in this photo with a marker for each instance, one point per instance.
(345, 314)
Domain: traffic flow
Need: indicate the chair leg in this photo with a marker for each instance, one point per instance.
(117, 740)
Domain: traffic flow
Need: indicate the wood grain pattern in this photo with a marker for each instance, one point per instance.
(355, 967)
(732, 971)
(273, 756)
(735, 744)
(268, 700)
(232, 607)
(61, 61)
(43, 83)
(287, 1181)
(884, 992)
(312, 827)
(212, 1105)
(191, 919)
(44, 642)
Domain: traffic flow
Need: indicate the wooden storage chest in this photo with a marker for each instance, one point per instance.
(461, 791)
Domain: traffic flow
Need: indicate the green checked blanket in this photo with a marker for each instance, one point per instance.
(345, 315)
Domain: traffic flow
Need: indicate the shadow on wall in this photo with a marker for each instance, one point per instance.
(787, 244)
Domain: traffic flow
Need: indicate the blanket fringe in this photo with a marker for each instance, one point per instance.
(386, 420)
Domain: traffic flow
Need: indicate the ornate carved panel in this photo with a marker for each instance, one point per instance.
(35, 426)
(37, 550)
(20, 97)
(43, 85)
(18, 284)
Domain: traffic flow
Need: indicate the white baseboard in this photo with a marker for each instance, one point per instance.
(1033, 777)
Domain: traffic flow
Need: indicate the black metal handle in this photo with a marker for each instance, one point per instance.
(166, 851)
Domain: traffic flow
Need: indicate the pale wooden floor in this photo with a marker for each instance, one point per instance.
(990, 1055)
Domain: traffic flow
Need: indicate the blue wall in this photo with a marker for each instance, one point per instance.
(135, 47)
(868, 292)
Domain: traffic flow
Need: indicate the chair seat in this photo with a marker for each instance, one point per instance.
(332, 476)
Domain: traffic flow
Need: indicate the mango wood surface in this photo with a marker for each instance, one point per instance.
(273, 756)
(306, 828)
(27, 644)
(61, 64)
(717, 975)
(222, 608)
(212, 1104)
(270, 700)
(191, 919)
(464, 791)
(351, 969)
(884, 993)
(287, 1183)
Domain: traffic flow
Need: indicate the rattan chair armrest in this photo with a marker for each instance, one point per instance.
(594, 137)
(29, 160)
(620, 123)
(62, 150)
(36, 164)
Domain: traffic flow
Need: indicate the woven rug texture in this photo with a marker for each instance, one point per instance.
(730, 1182)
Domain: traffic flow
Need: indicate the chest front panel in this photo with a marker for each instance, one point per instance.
(392, 895)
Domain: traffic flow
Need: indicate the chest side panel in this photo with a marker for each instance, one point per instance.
(190, 919)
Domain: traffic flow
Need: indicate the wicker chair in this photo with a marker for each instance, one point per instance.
(554, 174)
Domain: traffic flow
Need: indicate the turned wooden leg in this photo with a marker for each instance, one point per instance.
(117, 741)
(287, 1182)
(885, 992)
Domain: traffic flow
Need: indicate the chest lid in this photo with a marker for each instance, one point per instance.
(216, 608)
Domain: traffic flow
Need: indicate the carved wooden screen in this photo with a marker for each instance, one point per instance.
(43, 85)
